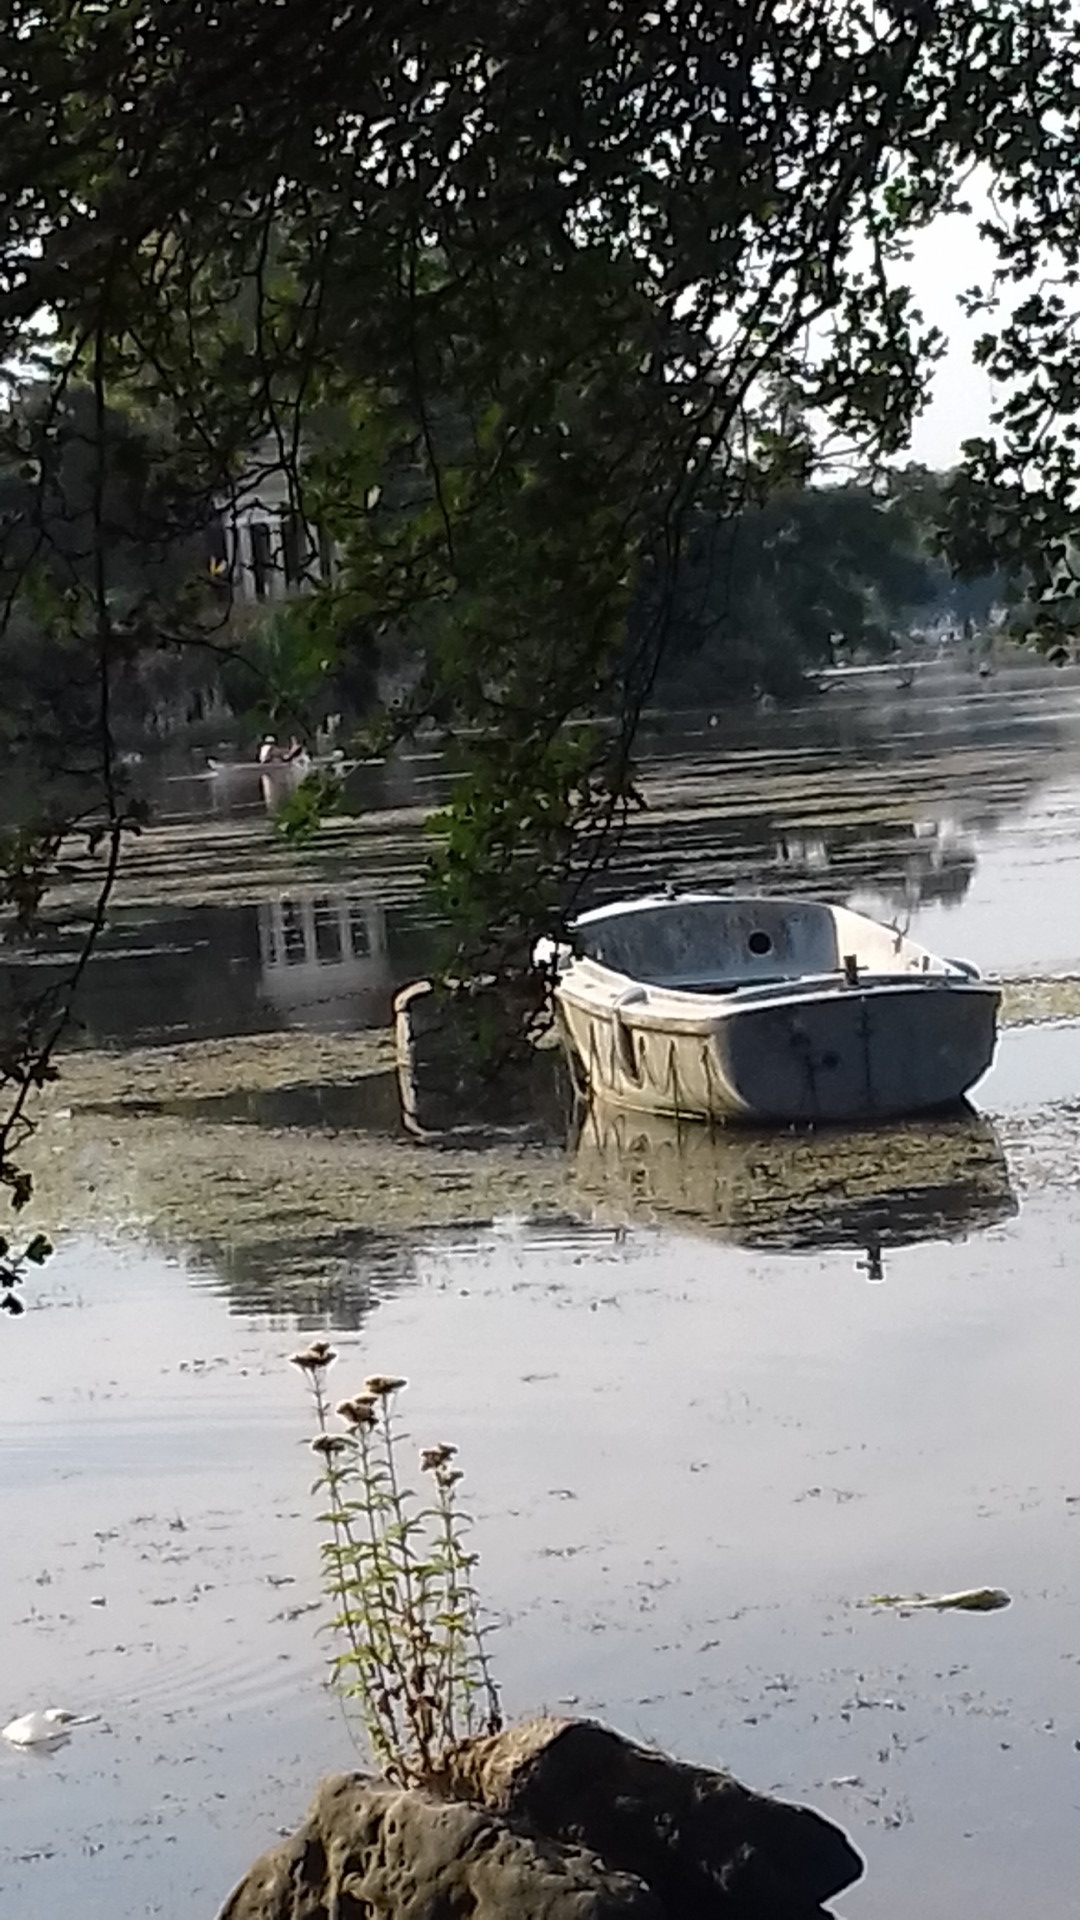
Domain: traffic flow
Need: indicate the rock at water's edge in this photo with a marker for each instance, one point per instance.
(552, 1820)
(368, 1850)
(706, 1845)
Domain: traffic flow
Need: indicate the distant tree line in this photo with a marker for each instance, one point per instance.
(811, 576)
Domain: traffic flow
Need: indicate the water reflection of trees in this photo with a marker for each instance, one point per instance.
(861, 791)
(156, 977)
(909, 863)
(311, 1282)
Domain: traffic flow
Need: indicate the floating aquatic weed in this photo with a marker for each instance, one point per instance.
(966, 1600)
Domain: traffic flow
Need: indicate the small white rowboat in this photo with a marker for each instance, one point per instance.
(767, 1009)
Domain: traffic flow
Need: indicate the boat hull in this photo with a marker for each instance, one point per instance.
(841, 1054)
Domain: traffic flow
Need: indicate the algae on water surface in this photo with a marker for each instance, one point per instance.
(279, 1153)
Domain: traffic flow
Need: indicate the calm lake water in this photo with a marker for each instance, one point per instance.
(702, 1423)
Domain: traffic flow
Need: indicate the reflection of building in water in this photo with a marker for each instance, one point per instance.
(903, 863)
(873, 1264)
(324, 960)
(804, 853)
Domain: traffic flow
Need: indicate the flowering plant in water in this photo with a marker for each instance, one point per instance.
(397, 1570)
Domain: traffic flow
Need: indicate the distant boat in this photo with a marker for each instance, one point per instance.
(753, 1009)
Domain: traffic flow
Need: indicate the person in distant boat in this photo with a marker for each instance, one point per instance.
(270, 754)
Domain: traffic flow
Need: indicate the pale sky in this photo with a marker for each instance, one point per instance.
(949, 258)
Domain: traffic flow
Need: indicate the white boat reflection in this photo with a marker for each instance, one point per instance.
(325, 960)
(869, 1188)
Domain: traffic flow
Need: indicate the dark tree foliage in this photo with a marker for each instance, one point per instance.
(510, 292)
(803, 580)
(975, 588)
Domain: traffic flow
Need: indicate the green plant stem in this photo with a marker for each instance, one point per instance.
(446, 1679)
(403, 1565)
(347, 1553)
(380, 1698)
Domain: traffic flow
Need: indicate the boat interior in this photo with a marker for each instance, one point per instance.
(718, 945)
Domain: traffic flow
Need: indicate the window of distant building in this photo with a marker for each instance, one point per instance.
(262, 558)
(294, 550)
(293, 928)
(359, 934)
(327, 932)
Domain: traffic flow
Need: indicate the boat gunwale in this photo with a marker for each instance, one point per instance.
(921, 961)
(659, 1006)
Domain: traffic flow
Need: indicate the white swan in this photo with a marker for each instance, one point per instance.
(44, 1727)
